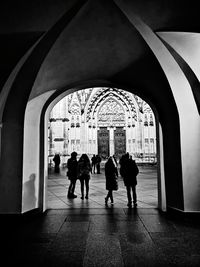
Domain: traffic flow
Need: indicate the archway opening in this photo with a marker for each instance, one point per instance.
(103, 121)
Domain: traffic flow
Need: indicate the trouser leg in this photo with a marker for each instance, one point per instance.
(73, 186)
(98, 168)
(70, 189)
(111, 196)
(108, 195)
(128, 189)
(134, 194)
(87, 186)
(82, 188)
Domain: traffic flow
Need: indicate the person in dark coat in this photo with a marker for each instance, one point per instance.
(111, 174)
(129, 172)
(98, 162)
(94, 162)
(56, 160)
(72, 174)
(84, 169)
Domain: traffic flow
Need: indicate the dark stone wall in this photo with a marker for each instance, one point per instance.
(13, 119)
(36, 15)
(12, 49)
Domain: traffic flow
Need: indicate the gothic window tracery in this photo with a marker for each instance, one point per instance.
(123, 97)
(111, 112)
(75, 109)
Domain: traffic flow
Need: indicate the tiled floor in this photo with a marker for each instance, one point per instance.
(86, 233)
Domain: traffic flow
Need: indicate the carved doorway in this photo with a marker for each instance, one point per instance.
(119, 142)
(103, 142)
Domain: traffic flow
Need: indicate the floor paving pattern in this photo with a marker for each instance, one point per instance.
(58, 186)
(87, 233)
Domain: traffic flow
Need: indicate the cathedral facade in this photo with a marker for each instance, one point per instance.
(105, 121)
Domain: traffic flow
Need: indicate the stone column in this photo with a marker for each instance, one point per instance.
(111, 141)
(82, 136)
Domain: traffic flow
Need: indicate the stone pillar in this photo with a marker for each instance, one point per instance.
(111, 141)
(86, 141)
(52, 136)
(69, 140)
(82, 136)
(50, 140)
(65, 136)
(90, 138)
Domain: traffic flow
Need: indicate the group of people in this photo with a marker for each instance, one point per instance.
(128, 171)
(96, 160)
(81, 169)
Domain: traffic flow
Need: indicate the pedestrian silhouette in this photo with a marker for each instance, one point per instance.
(129, 172)
(111, 174)
(84, 169)
(94, 161)
(56, 160)
(98, 162)
(72, 173)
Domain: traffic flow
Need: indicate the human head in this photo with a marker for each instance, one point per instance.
(84, 157)
(110, 159)
(126, 156)
(73, 154)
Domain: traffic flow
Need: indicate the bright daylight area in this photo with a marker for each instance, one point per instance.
(104, 122)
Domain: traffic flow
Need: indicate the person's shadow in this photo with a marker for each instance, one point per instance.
(29, 198)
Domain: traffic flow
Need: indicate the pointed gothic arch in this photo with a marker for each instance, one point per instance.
(157, 77)
(111, 112)
(115, 92)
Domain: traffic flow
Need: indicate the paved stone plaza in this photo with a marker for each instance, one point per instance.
(89, 234)
(146, 191)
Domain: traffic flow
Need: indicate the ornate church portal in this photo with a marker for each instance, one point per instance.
(111, 133)
(104, 121)
(103, 142)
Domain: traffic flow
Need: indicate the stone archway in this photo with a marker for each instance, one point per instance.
(45, 117)
(157, 78)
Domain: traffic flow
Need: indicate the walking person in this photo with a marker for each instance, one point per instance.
(98, 162)
(94, 161)
(72, 174)
(129, 172)
(111, 174)
(56, 160)
(84, 169)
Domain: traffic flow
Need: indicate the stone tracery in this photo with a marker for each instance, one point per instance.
(111, 112)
